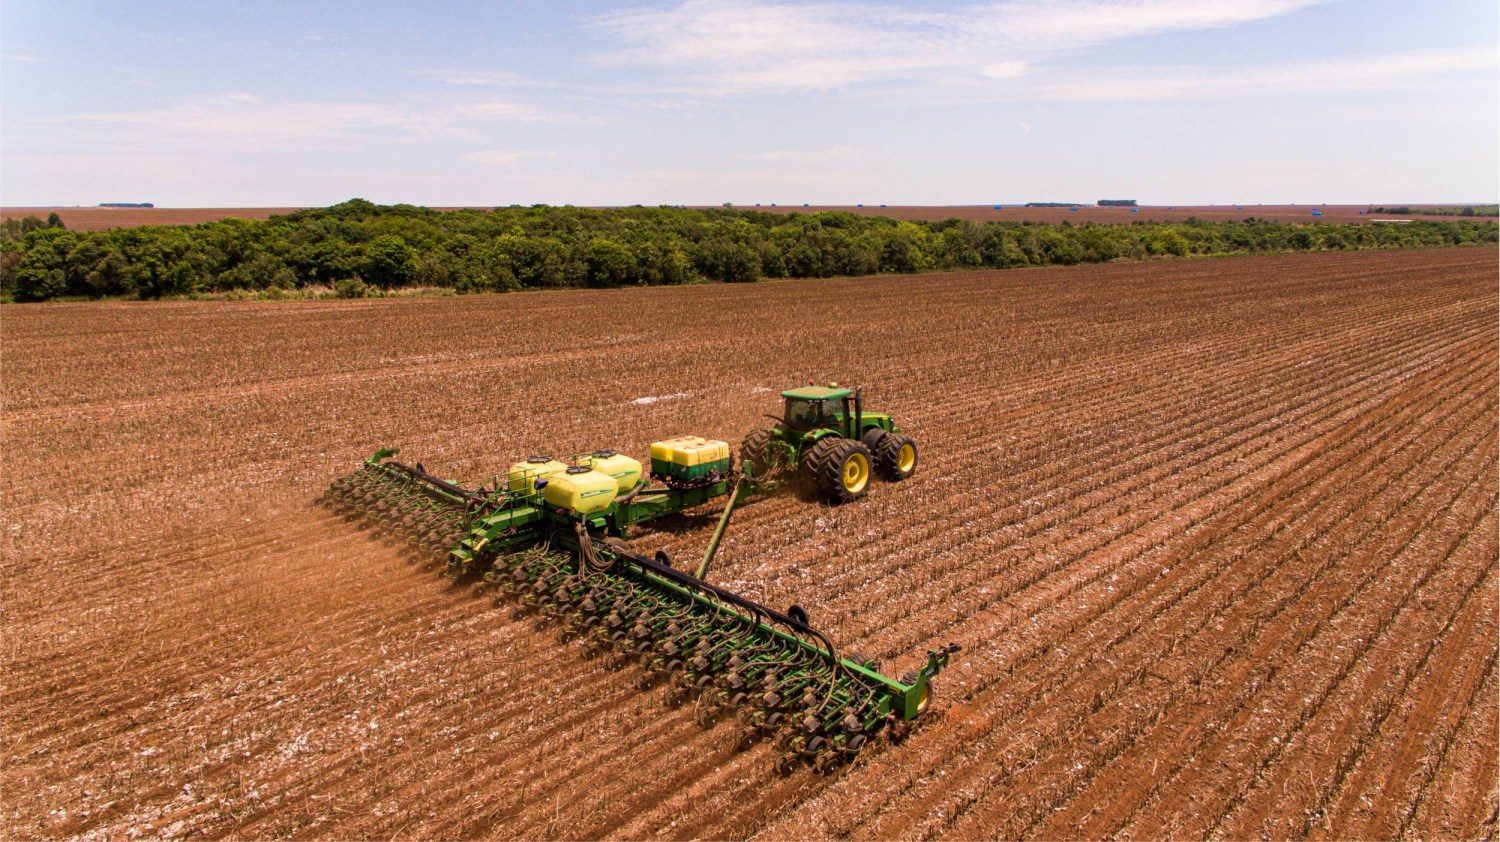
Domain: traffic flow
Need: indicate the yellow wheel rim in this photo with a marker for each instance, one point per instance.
(856, 473)
(906, 458)
(925, 698)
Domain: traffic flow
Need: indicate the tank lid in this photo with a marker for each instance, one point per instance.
(579, 469)
(538, 460)
(605, 454)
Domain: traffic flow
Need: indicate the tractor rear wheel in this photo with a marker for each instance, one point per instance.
(896, 457)
(839, 468)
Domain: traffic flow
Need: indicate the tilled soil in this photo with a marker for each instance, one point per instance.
(1218, 538)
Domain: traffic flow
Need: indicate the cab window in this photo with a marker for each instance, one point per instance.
(805, 414)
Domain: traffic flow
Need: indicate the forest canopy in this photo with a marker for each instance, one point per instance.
(358, 248)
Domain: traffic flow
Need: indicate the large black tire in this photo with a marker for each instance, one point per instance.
(838, 468)
(756, 452)
(896, 458)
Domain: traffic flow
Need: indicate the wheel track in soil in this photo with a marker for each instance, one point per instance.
(1268, 740)
(1247, 703)
(1136, 674)
(1415, 758)
(1375, 682)
(1177, 743)
(1270, 745)
(1232, 687)
(1442, 806)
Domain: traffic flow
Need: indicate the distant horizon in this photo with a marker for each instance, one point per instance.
(865, 205)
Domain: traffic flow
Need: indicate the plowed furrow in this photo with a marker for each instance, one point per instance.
(1115, 670)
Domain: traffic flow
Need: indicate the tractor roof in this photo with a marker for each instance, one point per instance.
(816, 393)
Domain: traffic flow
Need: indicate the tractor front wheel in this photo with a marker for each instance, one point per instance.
(839, 468)
(758, 453)
(896, 457)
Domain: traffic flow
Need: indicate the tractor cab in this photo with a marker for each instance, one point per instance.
(815, 407)
(813, 412)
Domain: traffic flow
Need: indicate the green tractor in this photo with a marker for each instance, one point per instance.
(828, 438)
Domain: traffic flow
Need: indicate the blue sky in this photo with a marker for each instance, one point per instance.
(1166, 101)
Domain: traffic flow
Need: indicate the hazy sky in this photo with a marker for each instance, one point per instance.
(1166, 101)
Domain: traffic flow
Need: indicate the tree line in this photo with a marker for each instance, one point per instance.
(1446, 210)
(358, 248)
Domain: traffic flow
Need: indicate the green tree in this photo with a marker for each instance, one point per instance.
(38, 276)
(1167, 241)
(610, 263)
(263, 271)
(529, 247)
(389, 262)
(722, 259)
(434, 269)
(904, 249)
(164, 263)
(97, 268)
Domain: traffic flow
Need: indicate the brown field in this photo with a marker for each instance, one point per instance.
(1107, 216)
(98, 219)
(1218, 537)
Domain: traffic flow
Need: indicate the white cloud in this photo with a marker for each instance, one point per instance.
(801, 156)
(1003, 70)
(1385, 72)
(247, 117)
(23, 58)
(510, 109)
(1067, 24)
(254, 120)
(498, 157)
(479, 78)
(749, 46)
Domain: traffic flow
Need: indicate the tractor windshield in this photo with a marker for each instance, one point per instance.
(803, 414)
